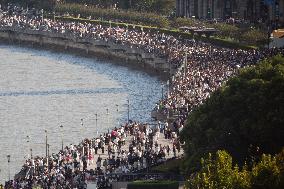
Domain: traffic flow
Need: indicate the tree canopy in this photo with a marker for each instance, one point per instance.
(157, 6)
(245, 116)
(218, 171)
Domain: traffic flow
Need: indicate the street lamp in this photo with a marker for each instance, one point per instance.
(185, 63)
(8, 158)
(168, 88)
(109, 27)
(61, 128)
(31, 152)
(45, 143)
(48, 149)
(117, 113)
(41, 15)
(28, 142)
(126, 33)
(53, 16)
(82, 125)
(142, 35)
(127, 110)
(96, 123)
(162, 92)
(107, 117)
(268, 35)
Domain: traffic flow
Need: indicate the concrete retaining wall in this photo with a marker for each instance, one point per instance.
(130, 54)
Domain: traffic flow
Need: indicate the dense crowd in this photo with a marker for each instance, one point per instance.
(165, 46)
(204, 69)
(74, 166)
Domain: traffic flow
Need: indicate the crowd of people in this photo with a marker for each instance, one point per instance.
(132, 147)
(157, 43)
(204, 68)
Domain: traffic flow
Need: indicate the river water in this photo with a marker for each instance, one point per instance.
(41, 90)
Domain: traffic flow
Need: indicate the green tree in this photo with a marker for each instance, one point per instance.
(217, 171)
(245, 116)
(254, 36)
(45, 4)
(269, 172)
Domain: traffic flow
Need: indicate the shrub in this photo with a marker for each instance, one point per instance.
(218, 171)
(179, 22)
(153, 185)
(268, 173)
(254, 36)
(227, 30)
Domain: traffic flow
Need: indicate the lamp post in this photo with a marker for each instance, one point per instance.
(45, 143)
(41, 15)
(8, 158)
(48, 149)
(117, 113)
(168, 89)
(142, 33)
(268, 34)
(109, 27)
(107, 117)
(61, 128)
(162, 92)
(28, 142)
(96, 123)
(82, 125)
(185, 63)
(53, 16)
(126, 33)
(127, 110)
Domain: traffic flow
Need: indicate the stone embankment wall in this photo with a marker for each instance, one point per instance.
(128, 54)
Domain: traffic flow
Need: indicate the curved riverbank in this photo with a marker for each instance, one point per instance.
(130, 56)
(83, 86)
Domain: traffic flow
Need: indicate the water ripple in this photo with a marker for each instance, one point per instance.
(65, 92)
(40, 90)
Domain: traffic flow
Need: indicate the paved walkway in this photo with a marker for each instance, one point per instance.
(161, 140)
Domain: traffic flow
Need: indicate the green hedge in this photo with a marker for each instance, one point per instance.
(115, 15)
(172, 166)
(228, 43)
(153, 185)
(174, 32)
(152, 21)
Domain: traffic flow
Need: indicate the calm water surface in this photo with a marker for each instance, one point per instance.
(41, 90)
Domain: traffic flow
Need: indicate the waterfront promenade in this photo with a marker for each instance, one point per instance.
(131, 148)
(162, 141)
(204, 69)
